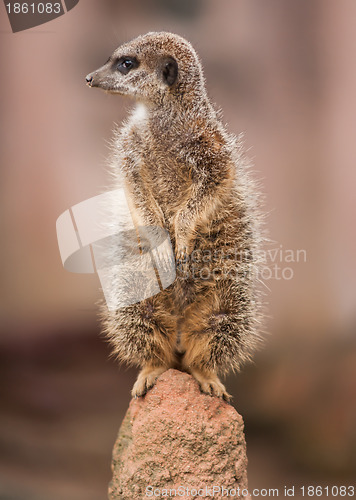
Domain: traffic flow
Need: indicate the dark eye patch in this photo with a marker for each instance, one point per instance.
(126, 63)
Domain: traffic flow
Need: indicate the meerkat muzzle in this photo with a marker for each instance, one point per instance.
(89, 80)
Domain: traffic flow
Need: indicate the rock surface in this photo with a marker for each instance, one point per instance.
(176, 438)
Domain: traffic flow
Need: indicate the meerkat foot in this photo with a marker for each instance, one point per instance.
(146, 380)
(210, 383)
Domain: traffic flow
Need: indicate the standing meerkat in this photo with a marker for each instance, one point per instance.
(186, 174)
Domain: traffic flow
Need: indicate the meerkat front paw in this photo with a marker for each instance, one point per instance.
(183, 236)
(146, 380)
(182, 258)
(210, 383)
(181, 253)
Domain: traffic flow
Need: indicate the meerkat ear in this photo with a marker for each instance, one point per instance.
(169, 70)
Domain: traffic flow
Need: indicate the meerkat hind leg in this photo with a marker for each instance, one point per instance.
(199, 329)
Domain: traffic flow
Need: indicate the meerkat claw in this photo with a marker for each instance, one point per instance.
(210, 384)
(146, 380)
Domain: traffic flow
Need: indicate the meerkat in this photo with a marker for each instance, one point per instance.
(185, 173)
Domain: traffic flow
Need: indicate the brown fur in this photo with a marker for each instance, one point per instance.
(185, 173)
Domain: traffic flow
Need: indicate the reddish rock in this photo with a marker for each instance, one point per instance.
(177, 438)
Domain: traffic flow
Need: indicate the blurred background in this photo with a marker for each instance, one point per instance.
(284, 73)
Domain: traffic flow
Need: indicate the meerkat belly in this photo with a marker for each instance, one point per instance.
(221, 246)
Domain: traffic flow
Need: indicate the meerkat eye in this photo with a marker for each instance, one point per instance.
(125, 64)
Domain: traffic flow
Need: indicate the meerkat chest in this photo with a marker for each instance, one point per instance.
(139, 115)
(153, 162)
(168, 178)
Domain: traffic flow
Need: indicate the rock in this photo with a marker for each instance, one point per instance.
(176, 438)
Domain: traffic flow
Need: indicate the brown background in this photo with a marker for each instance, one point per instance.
(284, 73)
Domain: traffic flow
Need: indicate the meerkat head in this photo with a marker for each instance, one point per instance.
(152, 68)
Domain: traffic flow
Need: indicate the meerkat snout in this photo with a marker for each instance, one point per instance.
(115, 75)
(89, 80)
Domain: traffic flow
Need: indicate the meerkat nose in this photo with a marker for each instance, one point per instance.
(89, 80)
